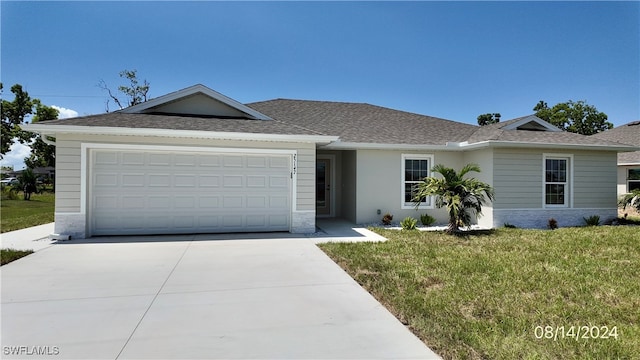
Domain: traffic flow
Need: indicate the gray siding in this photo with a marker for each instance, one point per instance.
(595, 180)
(517, 178)
(68, 164)
(67, 175)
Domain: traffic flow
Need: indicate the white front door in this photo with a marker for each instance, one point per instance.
(323, 187)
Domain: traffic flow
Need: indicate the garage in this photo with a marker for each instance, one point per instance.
(142, 191)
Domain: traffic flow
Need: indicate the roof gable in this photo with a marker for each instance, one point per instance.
(196, 100)
(529, 123)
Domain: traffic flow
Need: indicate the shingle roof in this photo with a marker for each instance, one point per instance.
(351, 122)
(496, 132)
(626, 134)
(177, 122)
(365, 123)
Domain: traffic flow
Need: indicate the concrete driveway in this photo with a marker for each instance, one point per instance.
(187, 297)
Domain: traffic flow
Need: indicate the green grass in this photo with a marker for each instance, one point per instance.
(9, 255)
(20, 214)
(483, 296)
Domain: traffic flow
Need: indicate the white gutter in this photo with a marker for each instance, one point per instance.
(464, 146)
(52, 130)
(339, 145)
(520, 144)
(47, 141)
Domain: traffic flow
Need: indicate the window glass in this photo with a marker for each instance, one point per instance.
(556, 181)
(633, 179)
(415, 170)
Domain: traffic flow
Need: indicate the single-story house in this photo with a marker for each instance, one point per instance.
(196, 161)
(628, 162)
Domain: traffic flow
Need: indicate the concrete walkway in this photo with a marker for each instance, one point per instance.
(33, 238)
(195, 297)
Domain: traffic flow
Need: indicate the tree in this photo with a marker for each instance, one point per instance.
(463, 197)
(13, 114)
(577, 117)
(42, 154)
(631, 199)
(487, 119)
(135, 92)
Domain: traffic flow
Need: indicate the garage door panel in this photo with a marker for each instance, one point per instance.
(159, 202)
(232, 181)
(159, 180)
(106, 180)
(209, 181)
(106, 202)
(106, 158)
(209, 202)
(185, 180)
(232, 161)
(160, 192)
(281, 182)
(133, 180)
(133, 202)
(133, 159)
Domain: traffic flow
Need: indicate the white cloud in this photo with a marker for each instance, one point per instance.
(17, 153)
(15, 156)
(64, 113)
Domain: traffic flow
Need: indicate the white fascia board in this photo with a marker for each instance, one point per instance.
(191, 91)
(629, 164)
(52, 130)
(519, 144)
(338, 145)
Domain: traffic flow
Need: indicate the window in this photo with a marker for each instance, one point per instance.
(633, 179)
(556, 181)
(414, 169)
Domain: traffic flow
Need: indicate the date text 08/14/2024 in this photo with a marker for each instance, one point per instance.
(575, 332)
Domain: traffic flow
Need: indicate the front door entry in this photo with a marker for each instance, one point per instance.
(323, 187)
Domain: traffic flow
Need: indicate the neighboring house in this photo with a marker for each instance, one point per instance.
(196, 161)
(628, 162)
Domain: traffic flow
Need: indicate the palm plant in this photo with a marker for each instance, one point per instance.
(26, 183)
(463, 197)
(631, 199)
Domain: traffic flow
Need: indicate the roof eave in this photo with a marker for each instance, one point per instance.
(340, 145)
(522, 144)
(52, 130)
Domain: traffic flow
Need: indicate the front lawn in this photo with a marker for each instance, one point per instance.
(20, 214)
(501, 296)
(9, 255)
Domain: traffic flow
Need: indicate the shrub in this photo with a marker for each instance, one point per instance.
(387, 218)
(510, 226)
(593, 220)
(409, 223)
(553, 224)
(9, 194)
(427, 220)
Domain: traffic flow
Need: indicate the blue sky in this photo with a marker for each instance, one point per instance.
(453, 60)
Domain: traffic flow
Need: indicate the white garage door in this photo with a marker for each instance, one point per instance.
(143, 192)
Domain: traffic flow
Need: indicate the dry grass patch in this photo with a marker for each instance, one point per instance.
(483, 296)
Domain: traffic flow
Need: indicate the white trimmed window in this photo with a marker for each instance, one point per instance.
(633, 179)
(557, 173)
(415, 167)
